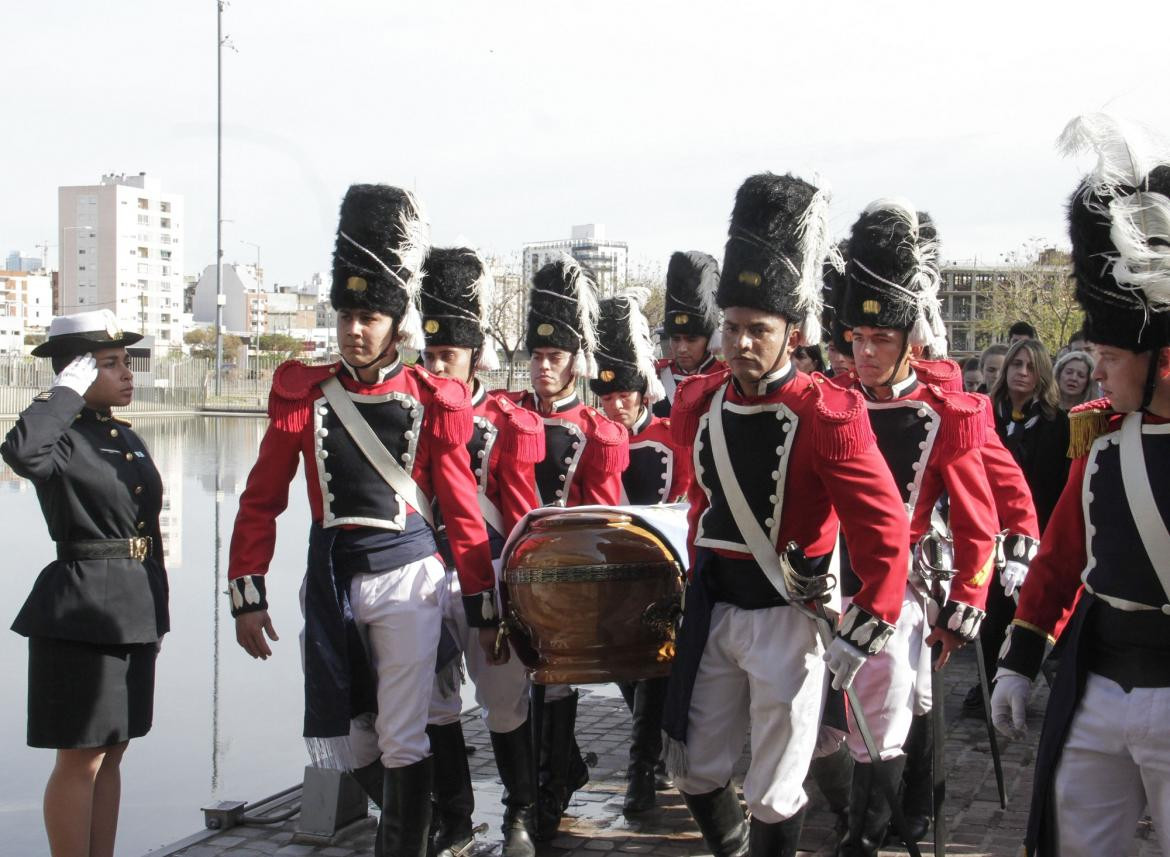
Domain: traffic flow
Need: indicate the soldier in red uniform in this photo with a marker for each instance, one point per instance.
(659, 472)
(1104, 753)
(777, 455)
(1019, 528)
(689, 324)
(585, 454)
(931, 441)
(506, 444)
(380, 442)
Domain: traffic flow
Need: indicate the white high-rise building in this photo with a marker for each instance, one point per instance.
(607, 261)
(121, 248)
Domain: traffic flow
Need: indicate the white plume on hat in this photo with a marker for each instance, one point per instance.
(1127, 152)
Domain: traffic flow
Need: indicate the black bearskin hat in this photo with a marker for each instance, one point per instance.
(625, 351)
(892, 277)
(691, 279)
(455, 297)
(562, 312)
(1119, 224)
(378, 259)
(776, 244)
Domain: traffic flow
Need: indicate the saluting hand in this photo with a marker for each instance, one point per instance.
(250, 630)
(79, 375)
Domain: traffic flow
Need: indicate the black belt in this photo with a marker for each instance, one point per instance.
(138, 548)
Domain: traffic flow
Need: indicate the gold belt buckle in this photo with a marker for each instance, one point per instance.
(139, 547)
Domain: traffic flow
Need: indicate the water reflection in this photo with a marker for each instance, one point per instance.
(225, 726)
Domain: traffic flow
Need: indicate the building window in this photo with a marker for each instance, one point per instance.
(144, 220)
(143, 252)
(164, 223)
(164, 206)
(143, 203)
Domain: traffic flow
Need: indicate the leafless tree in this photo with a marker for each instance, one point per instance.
(1034, 286)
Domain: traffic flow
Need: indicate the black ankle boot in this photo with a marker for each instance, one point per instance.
(369, 777)
(917, 782)
(562, 770)
(721, 821)
(775, 840)
(645, 744)
(869, 810)
(454, 801)
(513, 752)
(833, 775)
(406, 809)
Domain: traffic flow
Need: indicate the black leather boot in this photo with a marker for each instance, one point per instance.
(775, 840)
(513, 752)
(454, 801)
(562, 770)
(721, 821)
(645, 744)
(833, 775)
(370, 777)
(917, 782)
(869, 811)
(406, 809)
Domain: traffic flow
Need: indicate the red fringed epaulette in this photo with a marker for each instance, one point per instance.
(845, 381)
(946, 374)
(691, 401)
(964, 421)
(516, 397)
(522, 434)
(607, 444)
(290, 403)
(449, 415)
(661, 363)
(842, 429)
(1086, 423)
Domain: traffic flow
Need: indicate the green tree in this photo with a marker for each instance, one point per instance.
(1035, 286)
(282, 344)
(202, 342)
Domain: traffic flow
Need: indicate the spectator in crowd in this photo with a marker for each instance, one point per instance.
(808, 358)
(990, 364)
(1031, 424)
(1076, 342)
(1020, 330)
(1074, 379)
(972, 375)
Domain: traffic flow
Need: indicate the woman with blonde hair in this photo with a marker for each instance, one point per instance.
(1073, 373)
(1031, 423)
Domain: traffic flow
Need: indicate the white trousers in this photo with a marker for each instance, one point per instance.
(894, 685)
(762, 667)
(1116, 760)
(398, 612)
(500, 690)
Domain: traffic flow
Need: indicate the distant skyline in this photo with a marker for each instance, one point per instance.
(513, 121)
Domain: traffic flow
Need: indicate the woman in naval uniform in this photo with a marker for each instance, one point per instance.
(96, 614)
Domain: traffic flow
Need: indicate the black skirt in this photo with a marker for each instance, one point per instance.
(84, 695)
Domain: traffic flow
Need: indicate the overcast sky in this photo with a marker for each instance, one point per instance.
(514, 120)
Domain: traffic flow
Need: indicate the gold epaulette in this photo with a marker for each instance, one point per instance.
(1086, 423)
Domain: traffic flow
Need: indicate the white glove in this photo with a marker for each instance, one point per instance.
(1009, 704)
(1012, 576)
(78, 375)
(844, 660)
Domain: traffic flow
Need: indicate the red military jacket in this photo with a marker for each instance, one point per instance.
(671, 376)
(424, 421)
(932, 441)
(585, 453)
(511, 438)
(1009, 488)
(659, 470)
(803, 453)
(1091, 538)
